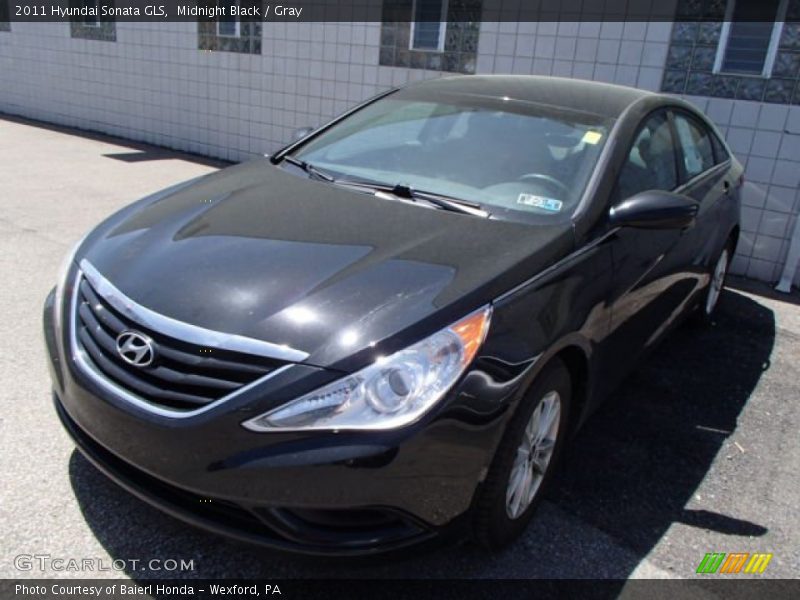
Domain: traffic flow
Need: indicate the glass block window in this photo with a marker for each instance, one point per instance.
(747, 46)
(92, 26)
(437, 35)
(230, 34)
(717, 50)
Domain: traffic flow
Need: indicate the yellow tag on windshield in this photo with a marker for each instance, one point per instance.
(592, 137)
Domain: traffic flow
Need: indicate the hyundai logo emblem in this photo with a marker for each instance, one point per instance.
(136, 348)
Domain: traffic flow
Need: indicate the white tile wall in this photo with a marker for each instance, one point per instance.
(154, 85)
(623, 53)
(766, 139)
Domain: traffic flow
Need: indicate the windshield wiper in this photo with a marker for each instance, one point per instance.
(400, 190)
(309, 168)
(405, 191)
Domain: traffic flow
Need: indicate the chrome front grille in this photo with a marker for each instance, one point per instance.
(183, 377)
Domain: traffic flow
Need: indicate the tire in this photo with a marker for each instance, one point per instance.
(497, 521)
(719, 274)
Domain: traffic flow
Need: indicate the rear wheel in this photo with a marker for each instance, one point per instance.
(715, 286)
(525, 459)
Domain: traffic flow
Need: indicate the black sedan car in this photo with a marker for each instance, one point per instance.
(388, 330)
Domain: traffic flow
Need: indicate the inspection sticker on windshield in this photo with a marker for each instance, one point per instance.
(592, 137)
(548, 204)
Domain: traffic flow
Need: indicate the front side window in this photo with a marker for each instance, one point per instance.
(651, 163)
(696, 146)
(747, 46)
(428, 27)
(517, 160)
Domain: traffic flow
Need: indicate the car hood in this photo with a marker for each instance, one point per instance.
(256, 251)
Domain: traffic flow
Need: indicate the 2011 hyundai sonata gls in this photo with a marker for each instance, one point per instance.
(389, 329)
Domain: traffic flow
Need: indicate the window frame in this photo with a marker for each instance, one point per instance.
(442, 28)
(237, 32)
(772, 48)
(237, 25)
(95, 20)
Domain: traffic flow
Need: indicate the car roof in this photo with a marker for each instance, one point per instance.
(592, 97)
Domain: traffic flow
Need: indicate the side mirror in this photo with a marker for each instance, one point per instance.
(655, 209)
(299, 134)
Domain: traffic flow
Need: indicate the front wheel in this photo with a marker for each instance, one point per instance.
(525, 459)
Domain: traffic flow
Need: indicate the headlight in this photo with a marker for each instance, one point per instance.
(392, 392)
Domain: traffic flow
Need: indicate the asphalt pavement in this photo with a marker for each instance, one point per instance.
(697, 452)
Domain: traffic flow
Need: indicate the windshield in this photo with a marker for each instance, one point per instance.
(517, 160)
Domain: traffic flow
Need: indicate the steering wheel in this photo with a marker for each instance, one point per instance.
(546, 179)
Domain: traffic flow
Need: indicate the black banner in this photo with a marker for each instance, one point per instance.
(383, 10)
(730, 588)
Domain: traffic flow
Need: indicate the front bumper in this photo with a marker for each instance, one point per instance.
(318, 493)
(358, 533)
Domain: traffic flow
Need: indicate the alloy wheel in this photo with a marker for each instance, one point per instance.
(717, 282)
(533, 455)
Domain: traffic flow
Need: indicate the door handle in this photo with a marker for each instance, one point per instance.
(726, 185)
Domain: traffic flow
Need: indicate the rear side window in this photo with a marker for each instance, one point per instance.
(720, 152)
(695, 141)
(651, 161)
